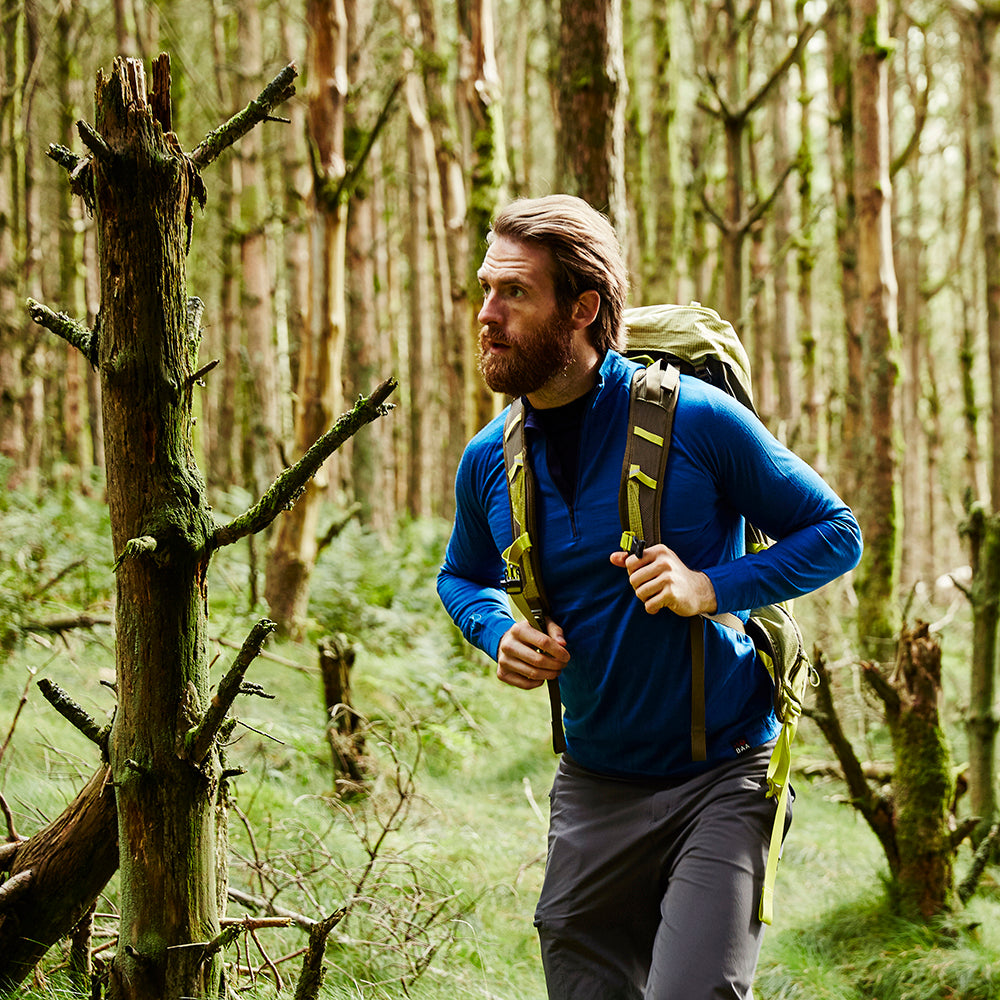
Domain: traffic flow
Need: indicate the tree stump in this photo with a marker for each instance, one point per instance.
(343, 727)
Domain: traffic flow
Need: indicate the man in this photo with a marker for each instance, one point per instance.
(655, 861)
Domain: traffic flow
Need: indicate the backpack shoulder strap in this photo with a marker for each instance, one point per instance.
(522, 572)
(652, 402)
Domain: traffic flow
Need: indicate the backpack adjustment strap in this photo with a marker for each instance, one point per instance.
(632, 545)
(699, 742)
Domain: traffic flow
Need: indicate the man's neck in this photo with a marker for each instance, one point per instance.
(572, 383)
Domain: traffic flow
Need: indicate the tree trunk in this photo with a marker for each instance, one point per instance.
(63, 868)
(981, 31)
(481, 127)
(785, 372)
(160, 524)
(221, 435)
(808, 440)
(343, 729)
(876, 577)
(368, 455)
(590, 126)
(913, 821)
(256, 315)
(293, 554)
(922, 781)
(840, 72)
(982, 532)
(420, 445)
(12, 249)
(75, 445)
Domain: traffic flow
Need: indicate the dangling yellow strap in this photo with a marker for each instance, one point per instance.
(778, 770)
(635, 474)
(635, 477)
(514, 552)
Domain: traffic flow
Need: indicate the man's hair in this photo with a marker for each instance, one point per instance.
(586, 252)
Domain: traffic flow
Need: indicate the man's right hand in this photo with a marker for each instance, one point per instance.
(527, 658)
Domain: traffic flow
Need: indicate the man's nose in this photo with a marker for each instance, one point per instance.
(489, 311)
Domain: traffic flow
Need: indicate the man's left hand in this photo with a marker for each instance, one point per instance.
(661, 580)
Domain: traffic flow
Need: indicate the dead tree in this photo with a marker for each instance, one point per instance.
(914, 822)
(343, 724)
(162, 749)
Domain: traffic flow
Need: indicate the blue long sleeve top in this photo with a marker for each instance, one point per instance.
(626, 691)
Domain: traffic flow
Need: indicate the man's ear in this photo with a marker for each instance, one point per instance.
(586, 307)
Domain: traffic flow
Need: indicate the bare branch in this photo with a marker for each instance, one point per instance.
(979, 861)
(7, 851)
(57, 626)
(875, 808)
(290, 484)
(13, 888)
(258, 903)
(17, 714)
(311, 978)
(791, 57)
(196, 378)
(351, 178)
(136, 547)
(71, 330)
(201, 738)
(74, 713)
(93, 140)
(63, 156)
(279, 90)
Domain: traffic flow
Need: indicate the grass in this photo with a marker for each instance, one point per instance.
(459, 867)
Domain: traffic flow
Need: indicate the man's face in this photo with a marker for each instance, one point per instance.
(526, 340)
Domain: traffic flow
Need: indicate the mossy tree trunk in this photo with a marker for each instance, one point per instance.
(914, 821)
(144, 189)
(922, 781)
(876, 577)
(590, 97)
(980, 24)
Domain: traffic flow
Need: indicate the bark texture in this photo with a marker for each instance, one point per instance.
(144, 192)
(61, 870)
(914, 821)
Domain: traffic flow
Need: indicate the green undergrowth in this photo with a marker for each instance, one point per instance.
(439, 859)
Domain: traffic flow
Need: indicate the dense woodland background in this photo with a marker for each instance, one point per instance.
(730, 161)
(823, 174)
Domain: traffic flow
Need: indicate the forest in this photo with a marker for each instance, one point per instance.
(242, 750)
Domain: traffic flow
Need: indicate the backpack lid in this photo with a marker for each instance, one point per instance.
(694, 333)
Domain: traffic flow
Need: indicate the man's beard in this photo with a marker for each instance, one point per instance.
(532, 362)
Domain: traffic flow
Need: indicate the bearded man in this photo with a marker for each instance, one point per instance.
(655, 860)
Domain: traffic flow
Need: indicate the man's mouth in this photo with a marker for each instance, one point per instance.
(494, 345)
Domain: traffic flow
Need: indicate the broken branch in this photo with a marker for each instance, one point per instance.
(279, 90)
(136, 547)
(63, 156)
(201, 738)
(71, 330)
(312, 964)
(290, 484)
(93, 140)
(74, 713)
(258, 903)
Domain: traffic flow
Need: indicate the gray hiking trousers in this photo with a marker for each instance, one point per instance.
(651, 893)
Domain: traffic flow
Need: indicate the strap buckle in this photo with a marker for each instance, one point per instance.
(513, 579)
(632, 545)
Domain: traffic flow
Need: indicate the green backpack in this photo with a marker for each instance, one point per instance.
(670, 339)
